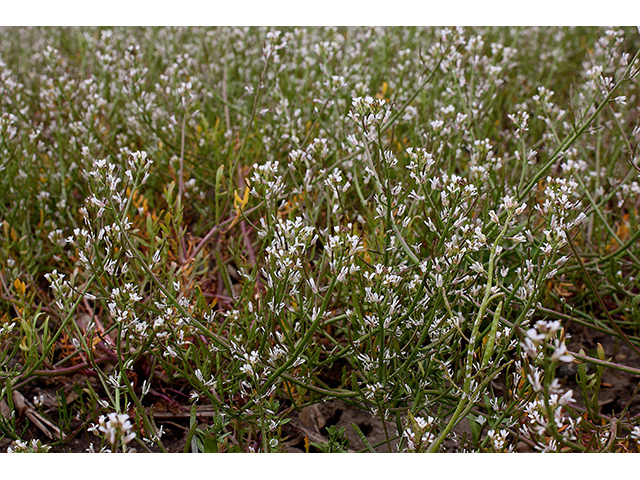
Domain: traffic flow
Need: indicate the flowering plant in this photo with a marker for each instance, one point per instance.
(412, 221)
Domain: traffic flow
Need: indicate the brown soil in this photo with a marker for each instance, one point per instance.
(617, 387)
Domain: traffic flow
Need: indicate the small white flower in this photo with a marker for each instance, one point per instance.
(117, 427)
(566, 398)
(547, 329)
(509, 202)
(560, 353)
(498, 439)
(534, 379)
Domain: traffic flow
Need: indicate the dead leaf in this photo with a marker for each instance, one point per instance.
(23, 407)
(311, 434)
(4, 409)
(312, 417)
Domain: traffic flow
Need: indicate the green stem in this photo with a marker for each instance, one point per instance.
(465, 402)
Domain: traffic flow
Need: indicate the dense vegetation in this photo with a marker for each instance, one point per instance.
(254, 220)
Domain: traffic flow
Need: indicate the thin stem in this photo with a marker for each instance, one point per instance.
(181, 183)
(465, 396)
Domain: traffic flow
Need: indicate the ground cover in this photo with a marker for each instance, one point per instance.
(319, 239)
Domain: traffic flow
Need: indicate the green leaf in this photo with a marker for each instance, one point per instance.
(476, 428)
(210, 444)
(362, 437)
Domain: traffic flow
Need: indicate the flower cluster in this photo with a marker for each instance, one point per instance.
(418, 433)
(34, 446)
(116, 429)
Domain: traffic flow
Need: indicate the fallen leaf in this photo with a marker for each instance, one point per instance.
(23, 406)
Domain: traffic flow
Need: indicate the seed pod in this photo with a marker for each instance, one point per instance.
(488, 349)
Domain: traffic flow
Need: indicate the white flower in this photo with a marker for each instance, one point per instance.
(560, 353)
(566, 398)
(118, 427)
(534, 379)
(509, 202)
(547, 329)
(534, 336)
(498, 439)
(246, 369)
(477, 267)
